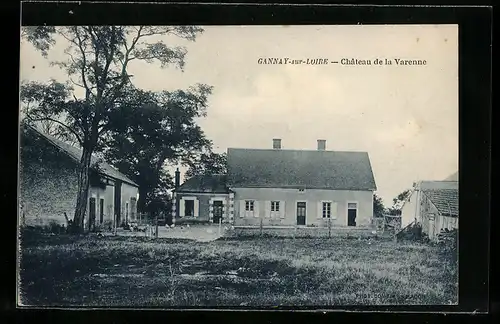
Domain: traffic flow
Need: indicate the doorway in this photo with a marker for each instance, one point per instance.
(101, 210)
(118, 203)
(218, 208)
(352, 211)
(92, 207)
(301, 212)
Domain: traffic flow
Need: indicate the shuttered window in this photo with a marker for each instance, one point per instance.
(275, 209)
(275, 206)
(327, 209)
(189, 207)
(249, 205)
(249, 208)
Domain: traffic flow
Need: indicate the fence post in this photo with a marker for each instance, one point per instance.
(261, 227)
(220, 226)
(329, 228)
(156, 225)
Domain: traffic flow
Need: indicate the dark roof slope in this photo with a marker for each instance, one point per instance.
(205, 183)
(445, 200)
(437, 185)
(452, 177)
(76, 153)
(278, 168)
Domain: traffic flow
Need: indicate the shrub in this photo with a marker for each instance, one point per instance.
(105, 226)
(412, 232)
(449, 241)
(54, 228)
(125, 226)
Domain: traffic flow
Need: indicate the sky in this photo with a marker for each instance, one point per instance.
(405, 117)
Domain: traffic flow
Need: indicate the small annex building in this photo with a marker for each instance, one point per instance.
(283, 187)
(48, 182)
(434, 205)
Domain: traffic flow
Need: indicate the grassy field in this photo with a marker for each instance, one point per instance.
(125, 271)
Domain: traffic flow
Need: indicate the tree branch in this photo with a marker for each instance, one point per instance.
(97, 49)
(60, 123)
(109, 57)
(80, 45)
(126, 60)
(103, 129)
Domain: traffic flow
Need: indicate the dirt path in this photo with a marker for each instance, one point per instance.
(200, 233)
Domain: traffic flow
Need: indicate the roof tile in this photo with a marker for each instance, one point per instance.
(76, 153)
(445, 200)
(278, 168)
(205, 183)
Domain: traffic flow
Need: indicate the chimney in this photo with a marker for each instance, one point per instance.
(276, 143)
(321, 145)
(177, 178)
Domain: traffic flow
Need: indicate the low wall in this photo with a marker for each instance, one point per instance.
(316, 232)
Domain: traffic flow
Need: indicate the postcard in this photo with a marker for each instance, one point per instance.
(238, 166)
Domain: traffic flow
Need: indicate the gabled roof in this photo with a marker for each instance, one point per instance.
(76, 153)
(445, 200)
(205, 183)
(452, 177)
(279, 168)
(437, 185)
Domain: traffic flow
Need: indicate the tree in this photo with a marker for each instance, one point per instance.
(97, 62)
(152, 131)
(378, 206)
(40, 36)
(36, 104)
(208, 163)
(398, 202)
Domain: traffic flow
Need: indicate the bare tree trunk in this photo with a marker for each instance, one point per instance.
(83, 191)
(156, 225)
(141, 203)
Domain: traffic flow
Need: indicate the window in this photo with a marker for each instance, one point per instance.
(249, 205)
(189, 207)
(275, 206)
(352, 206)
(327, 209)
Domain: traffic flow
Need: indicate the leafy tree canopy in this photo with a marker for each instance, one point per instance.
(398, 202)
(208, 163)
(152, 131)
(96, 61)
(378, 206)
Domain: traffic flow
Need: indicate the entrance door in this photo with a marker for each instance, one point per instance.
(301, 213)
(92, 205)
(218, 211)
(118, 202)
(101, 210)
(352, 210)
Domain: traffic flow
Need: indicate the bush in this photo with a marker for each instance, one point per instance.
(412, 233)
(449, 241)
(54, 227)
(105, 226)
